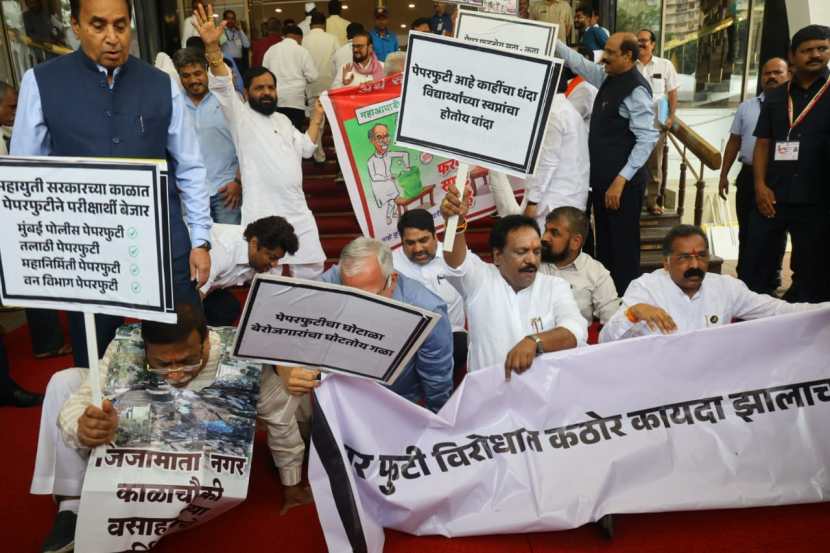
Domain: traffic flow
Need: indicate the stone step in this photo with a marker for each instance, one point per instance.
(667, 220)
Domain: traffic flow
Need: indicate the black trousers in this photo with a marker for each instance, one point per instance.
(221, 308)
(459, 349)
(618, 233)
(807, 227)
(297, 117)
(184, 291)
(744, 206)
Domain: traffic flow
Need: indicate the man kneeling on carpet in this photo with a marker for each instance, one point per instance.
(186, 355)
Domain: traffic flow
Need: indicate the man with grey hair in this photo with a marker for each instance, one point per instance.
(215, 140)
(366, 264)
(682, 296)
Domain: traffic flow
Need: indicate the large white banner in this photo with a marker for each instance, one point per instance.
(478, 104)
(86, 235)
(733, 416)
(333, 327)
(507, 32)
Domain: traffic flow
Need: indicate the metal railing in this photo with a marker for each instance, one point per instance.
(686, 141)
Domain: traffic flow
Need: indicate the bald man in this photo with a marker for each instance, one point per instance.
(621, 139)
(774, 73)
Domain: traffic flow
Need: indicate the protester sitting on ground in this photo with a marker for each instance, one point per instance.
(417, 259)
(565, 231)
(186, 354)
(514, 313)
(366, 264)
(236, 256)
(682, 296)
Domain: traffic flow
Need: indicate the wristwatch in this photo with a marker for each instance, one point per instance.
(204, 245)
(539, 347)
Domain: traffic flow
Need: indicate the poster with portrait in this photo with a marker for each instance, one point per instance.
(383, 179)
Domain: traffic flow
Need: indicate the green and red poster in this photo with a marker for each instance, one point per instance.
(384, 180)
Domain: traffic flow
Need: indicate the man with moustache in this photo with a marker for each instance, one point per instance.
(741, 141)
(565, 231)
(270, 150)
(789, 166)
(215, 141)
(364, 66)
(620, 141)
(682, 296)
(514, 313)
(417, 259)
(100, 102)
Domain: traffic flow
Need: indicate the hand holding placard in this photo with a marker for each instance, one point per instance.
(454, 205)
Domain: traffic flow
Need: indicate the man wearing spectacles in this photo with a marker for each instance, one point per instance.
(186, 355)
(366, 264)
(682, 296)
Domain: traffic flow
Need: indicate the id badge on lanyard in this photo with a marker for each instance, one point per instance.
(787, 150)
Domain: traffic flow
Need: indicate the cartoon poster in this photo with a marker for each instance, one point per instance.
(383, 180)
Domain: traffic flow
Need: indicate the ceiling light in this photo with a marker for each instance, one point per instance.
(278, 10)
(412, 5)
(403, 25)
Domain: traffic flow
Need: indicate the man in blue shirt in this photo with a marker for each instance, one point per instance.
(586, 20)
(384, 41)
(366, 264)
(620, 141)
(88, 104)
(215, 141)
(441, 23)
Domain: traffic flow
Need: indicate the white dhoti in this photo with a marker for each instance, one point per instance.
(59, 468)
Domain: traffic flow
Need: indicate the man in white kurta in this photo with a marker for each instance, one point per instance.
(562, 173)
(514, 313)
(237, 254)
(294, 70)
(321, 46)
(417, 258)
(682, 296)
(270, 152)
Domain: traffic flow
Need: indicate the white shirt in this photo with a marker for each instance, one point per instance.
(270, 151)
(719, 300)
(229, 262)
(591, 284)
(188, 30)
(357, 78)
(305, 25)
(342, 56)
(499, 316)
(322, 46)
(235, 41)
(294, 68)
(563, 170)
(336, 25)
(582, 99)
(660, 74)
(433, 275)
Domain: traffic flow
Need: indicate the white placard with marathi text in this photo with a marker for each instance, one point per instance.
(510, 33)
(86, 236)
(478, 104)
(331, 327)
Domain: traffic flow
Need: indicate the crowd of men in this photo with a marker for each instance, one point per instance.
(238, 124)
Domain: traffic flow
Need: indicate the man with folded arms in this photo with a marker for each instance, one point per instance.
(514, 313)
(682, 296)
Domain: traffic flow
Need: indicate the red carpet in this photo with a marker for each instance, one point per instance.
(257, 526)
